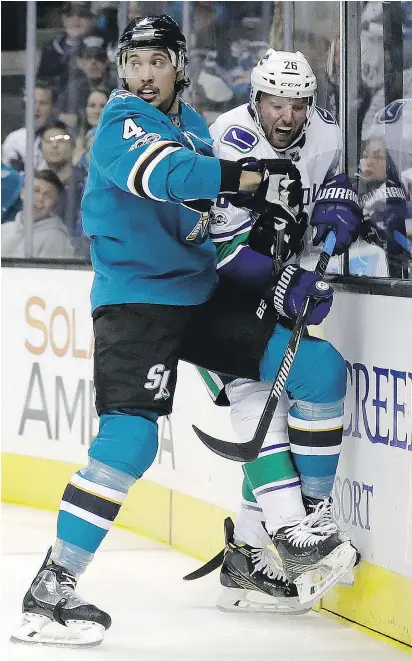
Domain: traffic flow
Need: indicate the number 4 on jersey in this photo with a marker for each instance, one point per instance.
(131, 130)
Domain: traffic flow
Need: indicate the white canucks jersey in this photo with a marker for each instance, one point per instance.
(235, 136)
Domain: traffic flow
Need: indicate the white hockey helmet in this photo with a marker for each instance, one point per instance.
(280, 73)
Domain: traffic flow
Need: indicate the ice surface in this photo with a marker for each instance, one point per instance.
(158, 617)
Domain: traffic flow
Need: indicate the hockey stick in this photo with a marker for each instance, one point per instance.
(206, 569)
(245, 452)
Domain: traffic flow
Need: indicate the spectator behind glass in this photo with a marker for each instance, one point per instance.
(107, 21)
(211, 92)
(85, 159)
(89, 118)
(11, 185)
(332, 81)
(134, 10)
(14, 146)
(57, 146)
(59, 57)
(386, 210)
(93, 71)
(50, 236)
(82, 242)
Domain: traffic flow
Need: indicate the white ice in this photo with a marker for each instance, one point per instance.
(158, 617)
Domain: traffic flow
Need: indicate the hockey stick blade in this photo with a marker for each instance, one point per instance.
(234, 451)
(245, 452)
(206, 569)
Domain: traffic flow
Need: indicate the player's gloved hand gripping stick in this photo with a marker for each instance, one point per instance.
(245, 452)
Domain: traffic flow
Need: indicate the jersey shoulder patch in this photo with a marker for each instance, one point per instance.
(242, 139)
(325, 115)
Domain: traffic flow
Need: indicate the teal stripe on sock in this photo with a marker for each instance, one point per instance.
(316, 465)
(81, 533)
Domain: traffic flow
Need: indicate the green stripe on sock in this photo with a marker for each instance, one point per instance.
(247, 493)
(210, 384)
(269, 469)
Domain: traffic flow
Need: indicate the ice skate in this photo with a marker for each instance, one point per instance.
(310, 504)
(250, 580)
(315, 554)
(55, 615)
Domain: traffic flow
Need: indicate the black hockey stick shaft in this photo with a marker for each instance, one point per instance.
(245, 452)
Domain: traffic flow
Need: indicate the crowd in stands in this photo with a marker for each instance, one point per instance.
(75, 79)
(77, 72)
(75, 76)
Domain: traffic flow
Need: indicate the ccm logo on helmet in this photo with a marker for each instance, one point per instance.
(290, 85)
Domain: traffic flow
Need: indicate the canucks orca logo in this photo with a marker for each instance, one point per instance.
(240, 138)
(391, 113)
(325, 115)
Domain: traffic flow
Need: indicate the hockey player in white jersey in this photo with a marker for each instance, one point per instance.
(288, 486)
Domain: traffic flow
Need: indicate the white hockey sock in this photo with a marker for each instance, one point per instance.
(249, 526)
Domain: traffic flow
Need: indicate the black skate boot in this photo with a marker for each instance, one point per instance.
(310, 505)
(315, 554)
(249, 576)
(250, 580)
(52, 600)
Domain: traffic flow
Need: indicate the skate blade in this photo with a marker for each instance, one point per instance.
(238, 600)
(339, 563)
(40, 630)
(347, 581)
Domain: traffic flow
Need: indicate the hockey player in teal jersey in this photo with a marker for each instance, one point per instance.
(139, 151)
(155, 301)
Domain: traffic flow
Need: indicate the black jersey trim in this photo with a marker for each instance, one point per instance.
(141, 191)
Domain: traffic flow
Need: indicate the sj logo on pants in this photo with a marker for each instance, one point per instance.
(158, 376)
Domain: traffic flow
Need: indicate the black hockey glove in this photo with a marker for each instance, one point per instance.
(287, 189)
(280, 182)
(262, 236)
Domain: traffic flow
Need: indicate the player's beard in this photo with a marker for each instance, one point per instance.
(164, 105)
(279, 142)
(167, 105)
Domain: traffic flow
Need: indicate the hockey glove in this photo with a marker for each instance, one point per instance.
(384, 214)
(336, 208)
(262, 236)
(284, 183)
(280, 182)
(290, 288)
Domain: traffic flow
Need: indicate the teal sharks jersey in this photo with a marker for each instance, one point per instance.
(146, 205)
